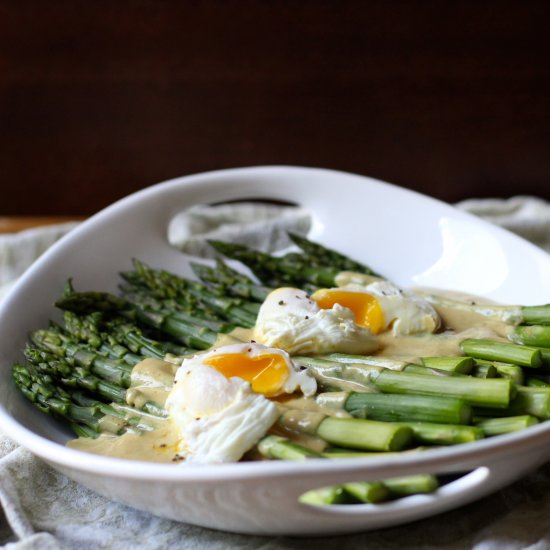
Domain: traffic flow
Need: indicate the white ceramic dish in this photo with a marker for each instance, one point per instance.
(410, 238)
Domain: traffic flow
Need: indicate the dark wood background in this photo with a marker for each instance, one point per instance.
(101, 98)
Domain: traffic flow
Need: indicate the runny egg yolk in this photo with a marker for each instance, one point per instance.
(365, 307)
(266, 373)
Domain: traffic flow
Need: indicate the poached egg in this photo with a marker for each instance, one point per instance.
(219, 404)
(291, 320)
(381, 306)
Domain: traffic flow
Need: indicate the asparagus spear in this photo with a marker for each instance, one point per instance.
(484, 371)
(535, 335)
(112, 370)
(406, 408)
(364, 434)
(502, 351)
(274, 271)
(537, 382)
(509, 314)
(368, 492)
(532, 401)
(505, 370)
(331, 375)
(132, 337)
(282, 448)
(86, 415)
(352, 433)
(411, 485)
(52, 400)
(506, 424)
(476, 391)
(444, 434)
(429, 371)
(229, 281)
(325, 496)
(172, 286)
(462, 365)
(456, 365)
(323, 256)
(144, 297)
(195, 337)
(369, 360)
(74, 376)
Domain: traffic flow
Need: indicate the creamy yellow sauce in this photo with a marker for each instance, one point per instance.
(236, 336)
(152, 380)
(159, 444)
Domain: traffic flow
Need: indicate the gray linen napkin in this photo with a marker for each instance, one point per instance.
(43, 509)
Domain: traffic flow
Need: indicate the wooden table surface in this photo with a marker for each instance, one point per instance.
(12, 224)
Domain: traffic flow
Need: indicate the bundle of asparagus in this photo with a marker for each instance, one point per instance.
(81, 371)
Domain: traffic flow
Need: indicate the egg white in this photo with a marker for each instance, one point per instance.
(405, 312)
(216, 418)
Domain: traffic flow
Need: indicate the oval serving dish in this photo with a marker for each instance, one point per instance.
(410, 238)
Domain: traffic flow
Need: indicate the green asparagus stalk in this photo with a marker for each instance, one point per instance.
(86, 415)
(325, 496)
(368, 492)
(502, 351)
(369, 360)
(364, 434)
(537, 382)
(52, 400)
(116, 371)
(195, 337)
(461, 365)
(132, 337)
(394, 488)
(142, 298)
(281, 448)
(73, 376)
(352, 433)
(505, 370)
(536, 315)
(476, 391)
(484, 371)
(532, 401)
(339, 452)
(407, 408)
(346, 377)
(227, 280)
(511, 315)
(75, 365)
(535, 335)
(429, 371)
(411, 485)
(241, 312)
(273, 271)
(320, 255)
(444, 434)
(506, 424)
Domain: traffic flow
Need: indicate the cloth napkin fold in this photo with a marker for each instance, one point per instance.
(43, 509)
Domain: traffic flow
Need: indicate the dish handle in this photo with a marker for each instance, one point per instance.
(466, 485)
